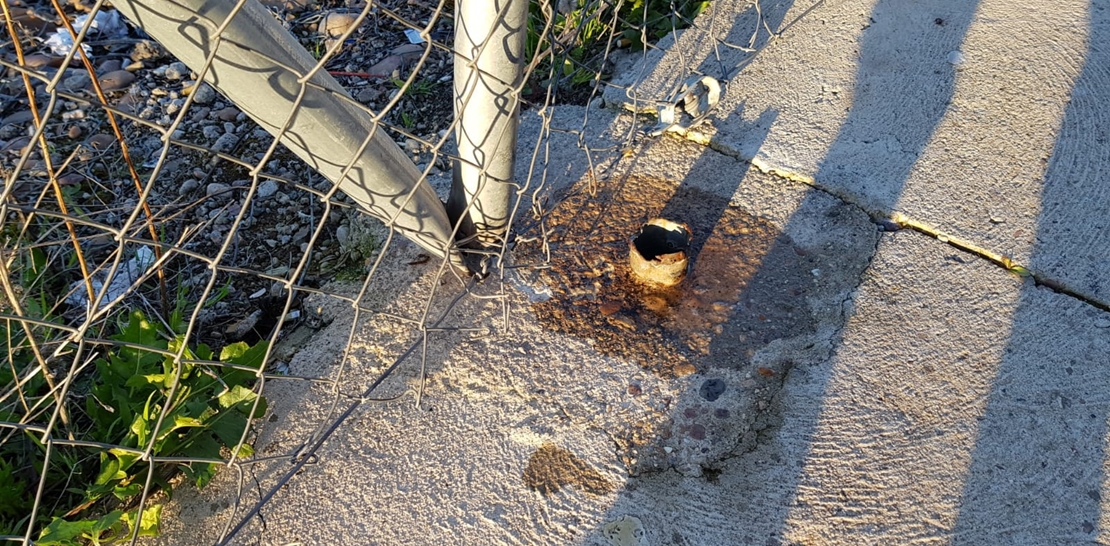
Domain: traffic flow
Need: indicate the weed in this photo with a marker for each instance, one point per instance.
(572, 46)
(418, 88)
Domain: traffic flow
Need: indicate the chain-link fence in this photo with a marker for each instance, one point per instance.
(189, 187)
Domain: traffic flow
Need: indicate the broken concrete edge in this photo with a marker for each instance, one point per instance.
(898, 219)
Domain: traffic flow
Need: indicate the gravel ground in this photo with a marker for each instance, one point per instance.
(197, 196)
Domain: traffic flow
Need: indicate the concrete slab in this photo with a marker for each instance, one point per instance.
(940, 400)
(976, 119)
(959, 406)
(530, 436)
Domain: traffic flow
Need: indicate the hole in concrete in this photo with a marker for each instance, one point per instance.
(655, 240)
(746, 285)
(712, 389)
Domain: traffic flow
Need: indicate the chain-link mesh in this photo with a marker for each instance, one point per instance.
(170, 244)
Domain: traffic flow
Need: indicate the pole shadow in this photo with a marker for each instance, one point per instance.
(1037, 473)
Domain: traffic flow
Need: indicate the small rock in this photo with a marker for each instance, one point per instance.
(77, 82)
(634, 389)
(176, 71)
(409, 52)
(74, 131)
(18, 118)
(609, 308)
(200, 114)
(228, 114)
(1102, 323)
(116, 80)
(240, 329)
(174, 105)
(147, 50)
(211, 131)
(216, 188)
(267, 189)
(71, 179)
(225, 143)
(204, 94)
(388, 67)
(335, 23)
(956, 58)
(343, 235)
(111, 65)
(696, 432)
(369, 94)
(38, 61)
(187, 186)
(101, 141)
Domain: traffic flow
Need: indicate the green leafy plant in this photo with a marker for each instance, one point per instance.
(207, 406)
(571, 48)
(418, 88)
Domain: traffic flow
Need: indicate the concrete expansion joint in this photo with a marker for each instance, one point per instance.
(895, 221)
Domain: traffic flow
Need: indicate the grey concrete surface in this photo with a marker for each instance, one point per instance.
(981, 119)
(842, 385)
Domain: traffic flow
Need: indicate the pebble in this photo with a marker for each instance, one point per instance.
(116, 80)
(225, 143)
(335, 24)
(1102, 323)
(956, 58)
(204, 94)
(101, 141)
(111, 65)
(187, 186)
(173, 106)
(200, 114)
(18, 118)
(697, 432)
(76, 82)
(176, 71)
(71, 179)
(74, 131)
(216, 188)
(211, 131)
(369, 94)
(228, 114)
(147, 50)
(38, 61)
(267, 189)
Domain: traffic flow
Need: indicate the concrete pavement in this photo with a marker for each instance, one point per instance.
(818, 380)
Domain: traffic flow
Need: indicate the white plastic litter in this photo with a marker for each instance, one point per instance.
(689, 106)
(128, 274)
(106, 24)
(414, 36)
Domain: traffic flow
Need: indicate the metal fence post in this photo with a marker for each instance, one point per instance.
(489, 61)
(257, 65)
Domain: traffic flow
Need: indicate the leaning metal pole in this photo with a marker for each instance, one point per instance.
(489, 61)
(258, 65)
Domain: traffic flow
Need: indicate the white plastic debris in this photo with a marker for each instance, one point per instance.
(414, 36)
(105, 25)
(689, 106)
(128, 274)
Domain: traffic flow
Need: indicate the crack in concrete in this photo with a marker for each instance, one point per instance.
(884, 218)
